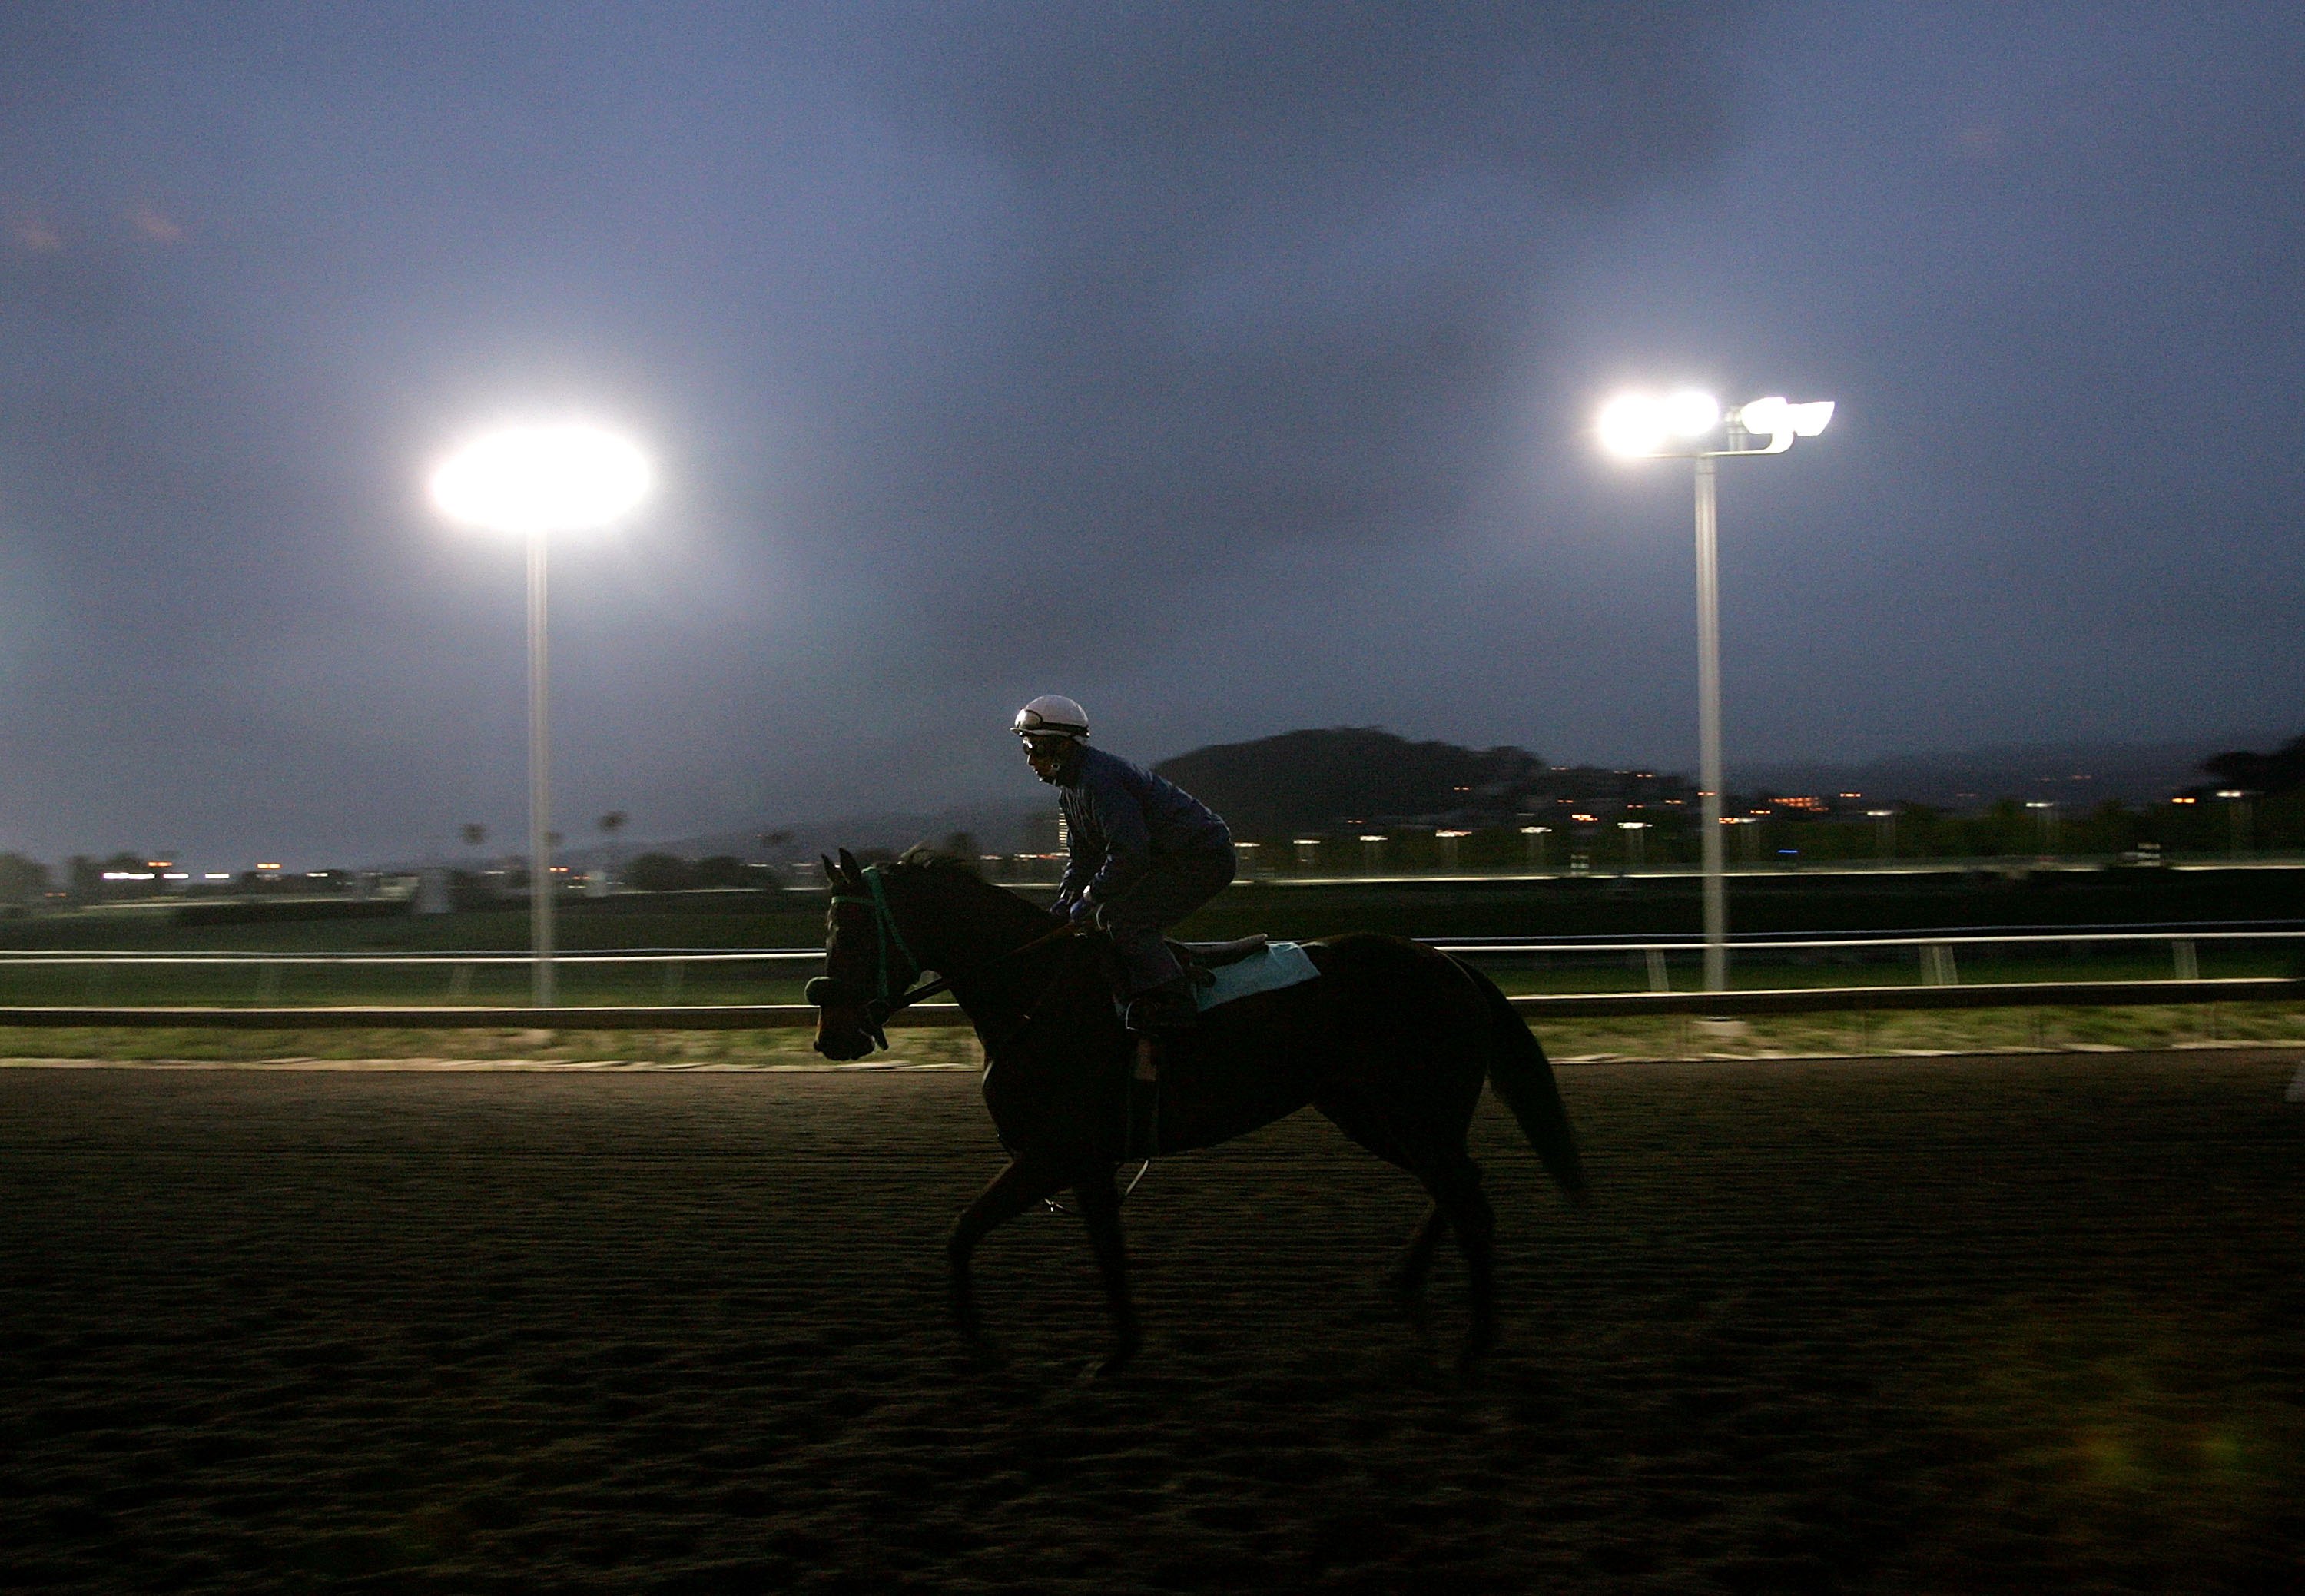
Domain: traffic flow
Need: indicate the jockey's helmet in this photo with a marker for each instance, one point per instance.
(1051, 715)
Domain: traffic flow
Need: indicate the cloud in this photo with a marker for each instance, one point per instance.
(152, 226)
(1267, 275)
(31, 230)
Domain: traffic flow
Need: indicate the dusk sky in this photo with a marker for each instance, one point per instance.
(1229, 368)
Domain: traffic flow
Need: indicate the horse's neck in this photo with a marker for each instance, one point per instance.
(958, 930)
(966, 935)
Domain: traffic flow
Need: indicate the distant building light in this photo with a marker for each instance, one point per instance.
(268, 867)
(1881, 814)
(316, 875)
(218, 876)
(2038, 804)
(1852, 795)
(1450, 834)
(2184, 800)
(128, 876)
(177, 875)
(1584, 817)
(1308, 841)
(1535, 830)
(158, 864)
(1632, 825)
(1372, 839)
(2230, 792)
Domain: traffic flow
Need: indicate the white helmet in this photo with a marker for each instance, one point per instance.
(1051, 715)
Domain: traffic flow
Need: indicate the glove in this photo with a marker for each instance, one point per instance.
(1082, 913)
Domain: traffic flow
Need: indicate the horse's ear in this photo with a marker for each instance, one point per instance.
(831, 871)
(855, 872)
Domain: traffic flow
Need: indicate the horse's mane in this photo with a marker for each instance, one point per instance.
(959, 877)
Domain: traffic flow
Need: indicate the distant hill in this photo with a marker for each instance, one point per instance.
(1362, 775)
(2073, 775)
(2283, 771)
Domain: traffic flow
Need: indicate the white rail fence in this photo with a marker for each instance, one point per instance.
(1936, 955)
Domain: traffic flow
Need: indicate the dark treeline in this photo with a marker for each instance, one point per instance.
(1313, 781)
(1315, 800)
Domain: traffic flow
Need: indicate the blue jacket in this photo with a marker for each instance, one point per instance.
(1121, 819)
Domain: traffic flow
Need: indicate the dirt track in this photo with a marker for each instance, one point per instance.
(1928, 1325)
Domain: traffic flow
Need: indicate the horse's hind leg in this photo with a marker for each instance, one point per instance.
(1100, 1208)
(1456, 1192)
(1454, 1180)
(1013, 1190)
(1360, 1119)
(1416, 1265)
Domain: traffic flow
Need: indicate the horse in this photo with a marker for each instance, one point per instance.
(1392, 1042)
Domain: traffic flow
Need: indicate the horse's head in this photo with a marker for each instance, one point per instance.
(866, 964)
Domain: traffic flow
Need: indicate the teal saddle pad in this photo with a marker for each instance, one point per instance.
(1279, 964)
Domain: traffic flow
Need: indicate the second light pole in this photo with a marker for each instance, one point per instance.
(533, 481)
(1679, 426)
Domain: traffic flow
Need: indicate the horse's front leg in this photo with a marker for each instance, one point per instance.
(1013, 1190)
(1099, 1205)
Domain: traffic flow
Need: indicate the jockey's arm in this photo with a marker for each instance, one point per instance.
(1127, 844)
(1080, 868)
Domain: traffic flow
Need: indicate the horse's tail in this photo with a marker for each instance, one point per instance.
(1522, 1076)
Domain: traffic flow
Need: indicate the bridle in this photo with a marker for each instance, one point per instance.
(891, 994)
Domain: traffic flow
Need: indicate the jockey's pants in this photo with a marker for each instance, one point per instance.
(1171, 888)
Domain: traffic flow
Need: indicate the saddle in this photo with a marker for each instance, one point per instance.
(1199, 958)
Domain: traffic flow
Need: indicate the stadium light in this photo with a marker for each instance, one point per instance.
(1687, 425)
(535, 482)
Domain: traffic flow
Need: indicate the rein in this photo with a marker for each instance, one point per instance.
(886, 1001)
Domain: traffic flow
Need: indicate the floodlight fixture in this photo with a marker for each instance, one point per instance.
(563, 476)
(1640, 426)
(1631, 428)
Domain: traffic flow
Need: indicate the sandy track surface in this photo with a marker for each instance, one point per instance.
(1932, 1325)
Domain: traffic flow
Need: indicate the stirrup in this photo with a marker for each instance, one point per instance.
(1163, 1009)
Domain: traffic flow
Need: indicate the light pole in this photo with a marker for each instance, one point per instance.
(1372, 853)
(1536, 835)
(1633, 829)
(1884, 832)
(2045, 812)
(2237, 818)
(533, 481)
(1678, 426)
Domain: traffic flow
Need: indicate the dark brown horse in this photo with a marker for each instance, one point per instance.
(1392, 1042)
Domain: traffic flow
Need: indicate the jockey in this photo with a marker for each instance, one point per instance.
(1145, 854)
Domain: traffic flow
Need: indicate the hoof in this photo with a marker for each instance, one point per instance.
(983, 1354)
(1478, 1344)
(1113, 1362)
